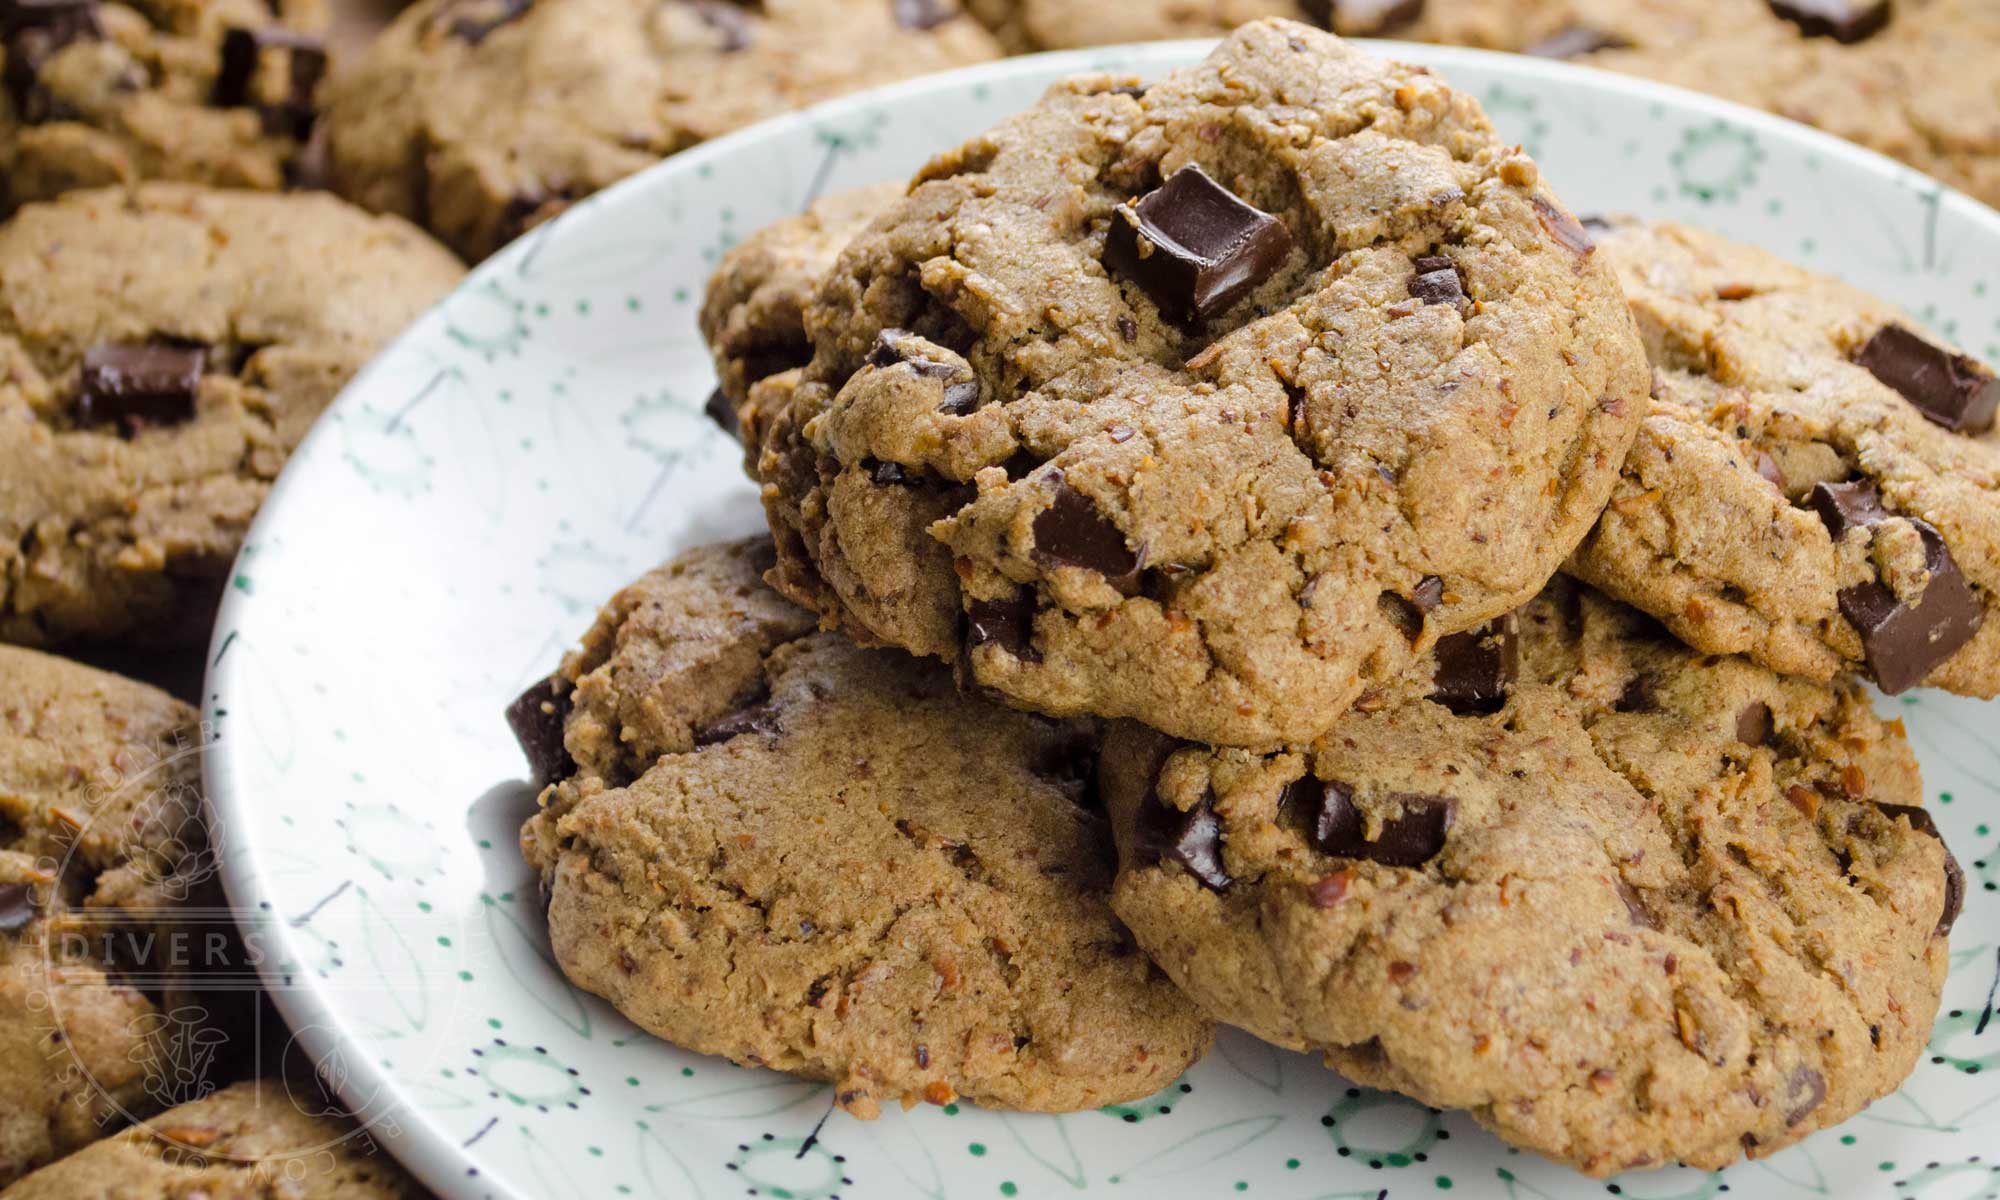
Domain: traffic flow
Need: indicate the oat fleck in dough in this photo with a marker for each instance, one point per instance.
(754, 313)
(161, 352)
(202, 91)
(1817, 483)
(237, 1144)
(772, 845)
(100, 810)
(1209, 404)
(1915, 79)
(1633, 906)
(480, 118)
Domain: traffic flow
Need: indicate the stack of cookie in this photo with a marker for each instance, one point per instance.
(1163, 621)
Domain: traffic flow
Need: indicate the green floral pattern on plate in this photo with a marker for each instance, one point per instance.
(537, 441)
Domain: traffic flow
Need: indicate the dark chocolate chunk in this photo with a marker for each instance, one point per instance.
(1402, 613)
(537, 718)
(33, 31)
(758, 718)
(1845, 506)
(723, 413)
(1428, 594)
(17, 907)
(1804, 1090)
(1563, 227)
(1954, 877)
(1846, 21)
(1410, 839)
(1638, 695)
(892, 348)
(1753, 724)
(1635, 906)
(729, 21)
(1574, 41)
(1475, 668)
(242, 53)
(472, 21)
(1192, 838)
(1363, 18)
(1904, 643)
(1773, 473)
(1073, 532)
(922, 14)
(1951, 390)
(1193, 246)
(888, 474)
(135, 384)
(1009, 624)
(960, 398)
(1436, 281)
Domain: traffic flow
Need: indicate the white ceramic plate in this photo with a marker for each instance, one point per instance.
(538, 440)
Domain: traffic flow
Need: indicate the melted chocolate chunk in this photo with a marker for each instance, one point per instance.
(1337, 827)
(1194, 247)
(1071, 531)
(537, 718)
(922, 14)
(33, 31)
(136, 384)
(1904, 643)
(17, 907)
(1563, 227)
(729, 21)
(1847, 506)
(758, 718)
(1951, 390)
(1803, 1092)
(1753, 724)
(1845, 21)
(1475, 668)
(472, 21)
(723, 413)
(1954, 877)
(1192, 838)
(1436, 281)
(1362, 18)
(1638, 696)
(1008, 624)
(1574, 41)
(242, 53)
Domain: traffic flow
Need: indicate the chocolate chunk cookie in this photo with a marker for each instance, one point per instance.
(769, 844)
(1210, 404)
(1635, 907)
(1817, 482)
(1916, 79)
(100, 838)
(203, 91)
(233, 1145)
(753, 316)
(479, 118)
(161, 352)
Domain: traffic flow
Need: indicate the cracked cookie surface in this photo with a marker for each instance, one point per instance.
(219, 92)
(1208, 404)
(100, 831)
(249, 1141)
(479, 118)
(770, 844)
(1634, 906)
(162, 350)
(1920, 86)
(1817, 481)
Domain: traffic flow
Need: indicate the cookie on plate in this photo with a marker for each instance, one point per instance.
(236, 1144)
(480, 118)
(770, 844)
(1916, 79)
(202, 91)
(162, 350)
(1627, 904)
(100, 837)
(1209, 404)
(753, 315)
(1817, 482)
